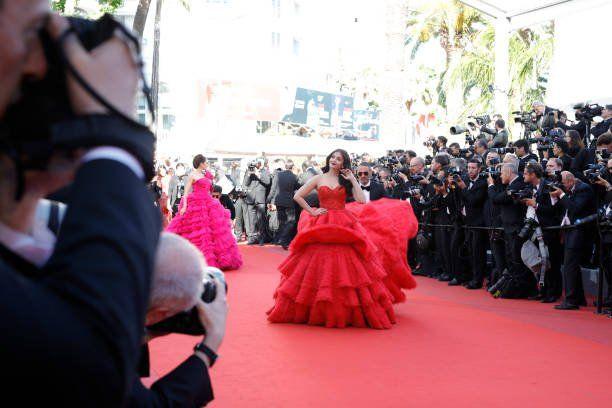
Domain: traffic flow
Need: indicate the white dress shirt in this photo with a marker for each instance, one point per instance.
(366, 193)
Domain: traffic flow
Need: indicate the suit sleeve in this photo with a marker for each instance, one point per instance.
(499, 197)
(103, 261)
(264, 178)
(476, 196)
(273, 190)
(578, 202)
(188, 385)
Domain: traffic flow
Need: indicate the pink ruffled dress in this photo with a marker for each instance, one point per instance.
(208, 226)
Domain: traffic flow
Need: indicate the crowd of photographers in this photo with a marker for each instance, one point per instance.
(540, 205)
(85, 285)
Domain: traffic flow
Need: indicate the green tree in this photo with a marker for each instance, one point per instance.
(454, 26)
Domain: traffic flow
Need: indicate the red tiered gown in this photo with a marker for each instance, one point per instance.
(208, 226)
(390, 224)
(332, 276)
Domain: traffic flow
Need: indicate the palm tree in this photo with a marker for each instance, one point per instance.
(454, 26)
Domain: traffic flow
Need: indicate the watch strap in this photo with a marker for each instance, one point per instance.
(203, 348)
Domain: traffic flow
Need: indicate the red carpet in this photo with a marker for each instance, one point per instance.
(450, 348)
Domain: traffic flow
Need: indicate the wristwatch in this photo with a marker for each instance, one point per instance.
(203, 348)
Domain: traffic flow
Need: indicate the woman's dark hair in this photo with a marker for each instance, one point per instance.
(574, 139)
(346, 164)
(197, 160)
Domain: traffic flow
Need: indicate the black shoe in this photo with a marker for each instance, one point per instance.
(474, 285)
(445, 278)
(262, 242)
(606, 303)
(536, 297)
(419, 272)
(549, 299)
(454, 282)
(286, 247)
(566, 306)
(252, 241)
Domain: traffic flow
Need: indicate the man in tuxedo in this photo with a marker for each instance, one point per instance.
(523, 154)
(371, 189)
(512, 217)
(589, 156)
(603, 126)
(474, 196)
(547, 211)
(255, 184)
(281, 198)
(74, 336)
(173, 187)
(577, 201)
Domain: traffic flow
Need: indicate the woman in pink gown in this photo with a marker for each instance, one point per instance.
(204, 222)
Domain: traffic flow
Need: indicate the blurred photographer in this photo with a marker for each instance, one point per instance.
(82, 323)
(492, 217)
(560, 151)
(474, 196)
(255, 185)
(577, 201)
(603, 126)
(546, 211)
(481, 150)
(606, 231)
(177, 286)
(524, 154)
(592, 156)
(517, 283)
(498, 136)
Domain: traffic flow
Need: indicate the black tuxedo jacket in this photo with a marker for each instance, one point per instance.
(580, 162)
(512, 213)
(377, 191)
(579, 204)
(549, 215)
(74, 334)
(283, 188)
(526, 159)
(474, 200)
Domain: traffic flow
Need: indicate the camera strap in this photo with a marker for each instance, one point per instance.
(146, 90)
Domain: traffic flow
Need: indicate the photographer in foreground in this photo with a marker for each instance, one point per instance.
(75, 334)
(498, 136)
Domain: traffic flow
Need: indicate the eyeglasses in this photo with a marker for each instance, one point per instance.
(363, 173)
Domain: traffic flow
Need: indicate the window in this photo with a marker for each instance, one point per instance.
(275, 40)
(276, 8)
(296, 47)
(168, 121)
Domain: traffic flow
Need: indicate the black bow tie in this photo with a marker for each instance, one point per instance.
(366, 188)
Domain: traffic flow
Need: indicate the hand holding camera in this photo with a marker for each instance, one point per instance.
(213, 316)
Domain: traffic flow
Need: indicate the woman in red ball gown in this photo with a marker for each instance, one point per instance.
(332, 276)
(204, 222)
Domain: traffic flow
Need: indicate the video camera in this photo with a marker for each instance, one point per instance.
(481, 120)
(587, 111)
(188, 322)
(594, 171)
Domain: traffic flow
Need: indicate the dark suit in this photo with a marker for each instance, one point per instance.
(492, 218)
(376, 190)
(580, 162)
(601, 128)
(549, 215)
(577, 204)
(474, 197)
(526, 159)
(256, 188)
(512, 219)
(76, 333)
(281, 195)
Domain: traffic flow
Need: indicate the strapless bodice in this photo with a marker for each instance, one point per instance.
(202, 185)
(332, 198)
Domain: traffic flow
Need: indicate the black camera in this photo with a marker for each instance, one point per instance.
(454, 172)
(46, 102)
(492, 171)
(587, 111)
(528, 228)
(521, 194)
(188, 322)
(527, 119)
(428, 160)
(595, 171)
(435, 181)
(481, 120)
(553, 181)
(412, 192)
(503, 150)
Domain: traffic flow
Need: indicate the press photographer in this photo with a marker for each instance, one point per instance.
(255, 185)
(518, 283)
(546, 212)
(474, 196)
(498, 136)
(524, 154)
(492, 217)
(592, 156)
(82, 324)
(577, 201)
